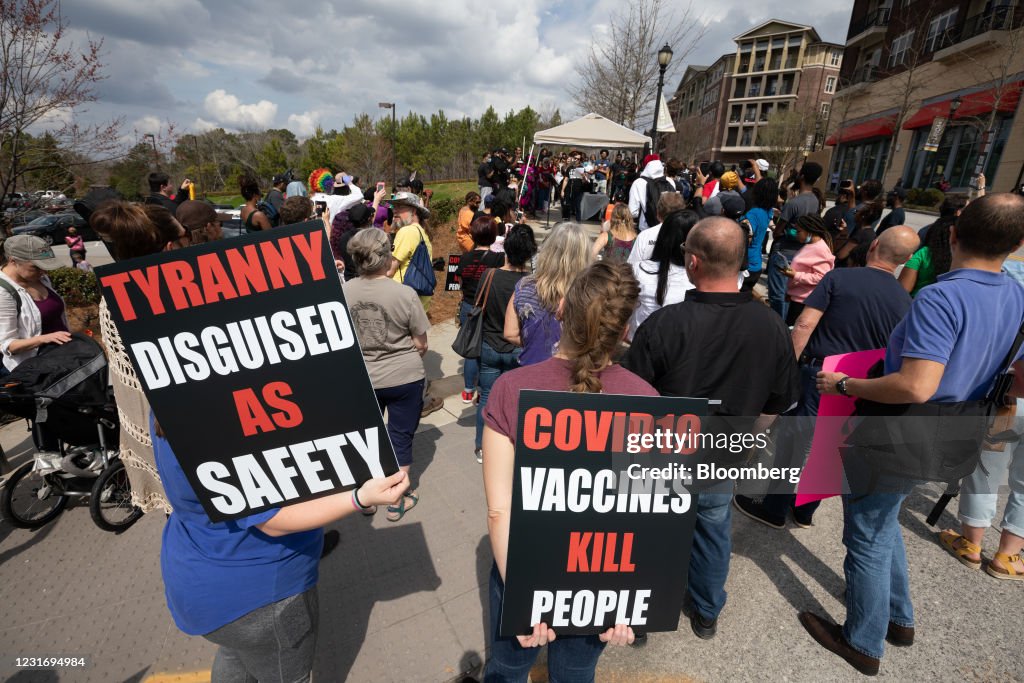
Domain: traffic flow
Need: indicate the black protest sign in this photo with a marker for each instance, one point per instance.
(246, 352)
(602, 521)
(452, 282)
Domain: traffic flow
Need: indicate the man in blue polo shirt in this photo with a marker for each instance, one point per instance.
(949, 348)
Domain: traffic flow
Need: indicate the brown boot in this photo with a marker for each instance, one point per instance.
(830, 637)
(900, 636)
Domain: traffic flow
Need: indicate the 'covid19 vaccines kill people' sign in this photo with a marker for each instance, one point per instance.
(247, 354)
(602, 516)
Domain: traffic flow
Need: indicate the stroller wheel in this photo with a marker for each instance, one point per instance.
(29, 501)
(110, 503)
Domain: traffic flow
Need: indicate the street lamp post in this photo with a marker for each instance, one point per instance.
(156, 157)
(664, 57)
(394, 142)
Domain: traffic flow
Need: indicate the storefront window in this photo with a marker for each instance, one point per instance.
(956, 157)
(863, 160)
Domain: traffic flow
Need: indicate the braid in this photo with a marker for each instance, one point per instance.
(814, 225)
(597, 308)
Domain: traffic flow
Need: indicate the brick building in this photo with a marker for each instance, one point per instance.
(909, 62)
(719, 109)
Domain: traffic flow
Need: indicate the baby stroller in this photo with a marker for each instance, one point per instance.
(64, 395)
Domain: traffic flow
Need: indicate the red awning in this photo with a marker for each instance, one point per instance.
(883, 126)
(975, 104)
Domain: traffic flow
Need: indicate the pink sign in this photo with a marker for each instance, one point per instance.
(824, 470)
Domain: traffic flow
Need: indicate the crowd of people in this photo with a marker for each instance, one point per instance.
(663, 303)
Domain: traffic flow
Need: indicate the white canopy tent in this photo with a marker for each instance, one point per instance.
(592, 130)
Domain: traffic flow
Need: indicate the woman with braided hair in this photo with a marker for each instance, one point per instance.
(809, 264)
(594, 312)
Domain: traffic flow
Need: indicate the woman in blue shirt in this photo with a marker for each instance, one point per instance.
(249, 585)
(766, 194)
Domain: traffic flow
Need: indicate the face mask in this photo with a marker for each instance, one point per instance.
(807, 240)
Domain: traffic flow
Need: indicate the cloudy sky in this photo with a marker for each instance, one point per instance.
(257, 64)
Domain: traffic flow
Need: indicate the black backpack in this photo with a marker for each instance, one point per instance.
(655, 188)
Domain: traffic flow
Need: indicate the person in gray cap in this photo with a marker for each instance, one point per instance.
(32, 314)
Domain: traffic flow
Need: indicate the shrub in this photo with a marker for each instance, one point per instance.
(931, 197)
(444, 210)
(913, 196)
(76, 287)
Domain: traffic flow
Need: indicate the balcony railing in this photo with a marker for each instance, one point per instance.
(868, 73)
(995, 19)
(880, 17)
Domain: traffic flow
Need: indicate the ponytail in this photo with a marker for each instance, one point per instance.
(597, 308)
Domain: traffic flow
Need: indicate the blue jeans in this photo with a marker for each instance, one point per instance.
(712, 546)
(877, 582)
(571, 659)
(800, 438)
(492, 366)
(470, 366)
(777, 282)
(404, 404)
(980, 491)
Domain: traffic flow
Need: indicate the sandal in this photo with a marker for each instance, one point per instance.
(959, 547)
(1006, 572)
(396, 513)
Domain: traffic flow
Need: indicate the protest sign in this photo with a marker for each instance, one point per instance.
(246, 352)
(452, 282)
(602, 521)
(823, 476)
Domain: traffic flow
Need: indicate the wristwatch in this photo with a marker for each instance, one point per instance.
(841, 386)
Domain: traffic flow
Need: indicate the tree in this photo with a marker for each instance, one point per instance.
(783, 140)
(618, 77)
(44, 80)
(907, 78)
(126, 174)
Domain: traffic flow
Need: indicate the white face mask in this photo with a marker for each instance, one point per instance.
(808, 240)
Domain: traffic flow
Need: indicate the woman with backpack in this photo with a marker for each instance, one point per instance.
(617, 236)
(531, 319)
(253, 218)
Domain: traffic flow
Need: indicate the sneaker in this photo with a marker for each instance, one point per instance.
(467, 397)
(703, 628)
(758, 512)
(432, 405)
(479, 453)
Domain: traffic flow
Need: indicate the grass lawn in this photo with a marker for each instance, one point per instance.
(231, 199)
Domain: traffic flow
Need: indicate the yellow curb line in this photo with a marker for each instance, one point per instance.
(179, 677)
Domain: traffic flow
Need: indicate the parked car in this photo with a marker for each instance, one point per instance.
(58, 205)
(16, 200)
(23, 216)
(229, 210)
(54, 227)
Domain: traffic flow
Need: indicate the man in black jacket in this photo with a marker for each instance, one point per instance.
(719, 344)
(160, 191)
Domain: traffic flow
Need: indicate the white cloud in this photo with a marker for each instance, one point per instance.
(228, 110)
(201, 125)
(304, 124)
(148, 124)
